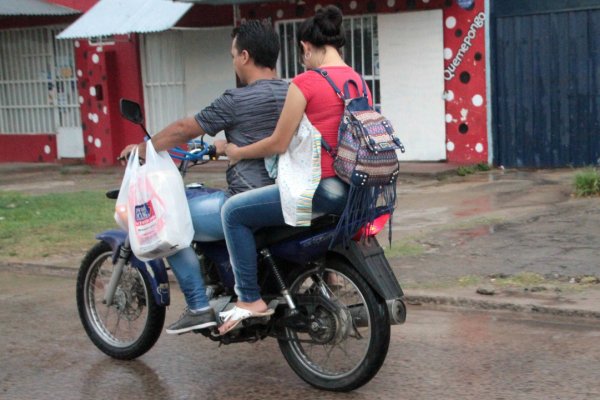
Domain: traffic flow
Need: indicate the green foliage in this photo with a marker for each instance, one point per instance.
(469, 280)
(471, 169)
(587, 182)
(521, 279)
(483, 167)
(41, 226)
(403, 248)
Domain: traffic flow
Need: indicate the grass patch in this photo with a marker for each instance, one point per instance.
(470, 280)
(34, 227)
(533, 282)
(587, 182)
(465, 170)
(523, 279)
(403, 248)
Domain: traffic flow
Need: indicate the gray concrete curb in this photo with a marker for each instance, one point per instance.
(411, 300)
(478, 304)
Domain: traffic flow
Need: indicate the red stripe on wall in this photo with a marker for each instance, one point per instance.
(28, 148)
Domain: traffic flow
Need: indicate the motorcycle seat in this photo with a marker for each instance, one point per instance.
(268, 236)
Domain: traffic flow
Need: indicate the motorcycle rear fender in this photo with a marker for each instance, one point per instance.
(368, 258)
(154, 270)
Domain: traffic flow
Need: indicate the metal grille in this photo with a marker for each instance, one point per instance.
(361, 50)
(163, 74)
(38, 91)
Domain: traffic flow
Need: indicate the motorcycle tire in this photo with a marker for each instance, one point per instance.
(133, 323)
(365, 354)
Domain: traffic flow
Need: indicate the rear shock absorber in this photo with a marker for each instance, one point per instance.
(280, 282)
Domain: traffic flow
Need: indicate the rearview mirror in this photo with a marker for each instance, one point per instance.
(131, 111)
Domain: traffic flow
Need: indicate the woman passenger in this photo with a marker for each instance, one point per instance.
(320, 39)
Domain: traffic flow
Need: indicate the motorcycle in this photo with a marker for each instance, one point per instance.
(334, 305)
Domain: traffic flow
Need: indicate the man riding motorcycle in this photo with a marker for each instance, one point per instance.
(246, 114)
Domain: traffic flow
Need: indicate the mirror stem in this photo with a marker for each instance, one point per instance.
(145, 131)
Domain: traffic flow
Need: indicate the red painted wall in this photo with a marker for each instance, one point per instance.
(81, 5)
(466, 108)
(106, 74)
(30, 21)
(7, 22)
(466, 94)
(114, 71)
(28, 148)
(204, 16)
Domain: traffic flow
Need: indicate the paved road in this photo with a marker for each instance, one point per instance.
(522, 224)
(450, 354)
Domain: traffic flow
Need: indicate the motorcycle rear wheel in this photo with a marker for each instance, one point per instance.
(335, 354)
(133, 323)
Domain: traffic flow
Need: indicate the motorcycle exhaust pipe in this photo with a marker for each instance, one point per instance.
(396, 311)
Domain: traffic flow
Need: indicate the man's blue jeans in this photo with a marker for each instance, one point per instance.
(246, 212)
(205, 208)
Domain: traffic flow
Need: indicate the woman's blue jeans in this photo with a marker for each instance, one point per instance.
(205, 208)
(246, 212)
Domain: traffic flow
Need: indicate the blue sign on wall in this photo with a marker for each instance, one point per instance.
(466, 4)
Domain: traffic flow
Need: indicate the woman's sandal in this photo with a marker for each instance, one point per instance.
(237, 314)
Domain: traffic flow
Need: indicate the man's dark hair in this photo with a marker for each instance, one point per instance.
(259, 39)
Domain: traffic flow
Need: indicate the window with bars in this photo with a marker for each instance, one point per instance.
(361, 50)
(38, 88)
(163, 75)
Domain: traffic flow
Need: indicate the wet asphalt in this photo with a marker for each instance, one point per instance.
(438, 353)
(502, 223)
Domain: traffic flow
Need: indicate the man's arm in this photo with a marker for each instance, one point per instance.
(278, 142)
(175, 134)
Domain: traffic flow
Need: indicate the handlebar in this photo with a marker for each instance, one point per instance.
(195, 155)
(198, 149)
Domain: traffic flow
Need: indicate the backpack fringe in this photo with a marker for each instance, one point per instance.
(364, 204)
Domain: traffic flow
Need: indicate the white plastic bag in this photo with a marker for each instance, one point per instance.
(158, 215)
(121, 205)
(299, 174)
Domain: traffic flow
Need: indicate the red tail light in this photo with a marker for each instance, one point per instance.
(373, 228)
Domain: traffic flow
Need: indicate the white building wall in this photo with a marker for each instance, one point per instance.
(412, 81)
(183, 72)
(208, 68)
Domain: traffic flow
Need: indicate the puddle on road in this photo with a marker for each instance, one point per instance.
(537, 194)
(473, 233)
(476, 206)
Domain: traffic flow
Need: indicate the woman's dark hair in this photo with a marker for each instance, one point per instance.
(324, 28)
(259, 39)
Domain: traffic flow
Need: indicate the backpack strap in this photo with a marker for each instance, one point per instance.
(353, 82)
(325, 75)
(343, 96)
(332, 152)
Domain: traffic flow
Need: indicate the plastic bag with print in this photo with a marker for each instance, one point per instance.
(158, 216)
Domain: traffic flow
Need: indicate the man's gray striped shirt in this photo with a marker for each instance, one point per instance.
(247, 115)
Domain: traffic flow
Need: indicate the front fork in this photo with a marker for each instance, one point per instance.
(154, 271)
(122, 258)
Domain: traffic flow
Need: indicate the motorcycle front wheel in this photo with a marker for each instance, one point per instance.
(129, 326)
(348, 332)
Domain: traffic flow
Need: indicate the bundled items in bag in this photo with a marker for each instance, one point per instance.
(152, 206)
(365, 158)
(299, 174)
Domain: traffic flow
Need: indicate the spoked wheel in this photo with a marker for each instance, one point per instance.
(131, 325)
(347, 334)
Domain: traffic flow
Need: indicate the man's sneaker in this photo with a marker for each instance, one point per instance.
(191, 321)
